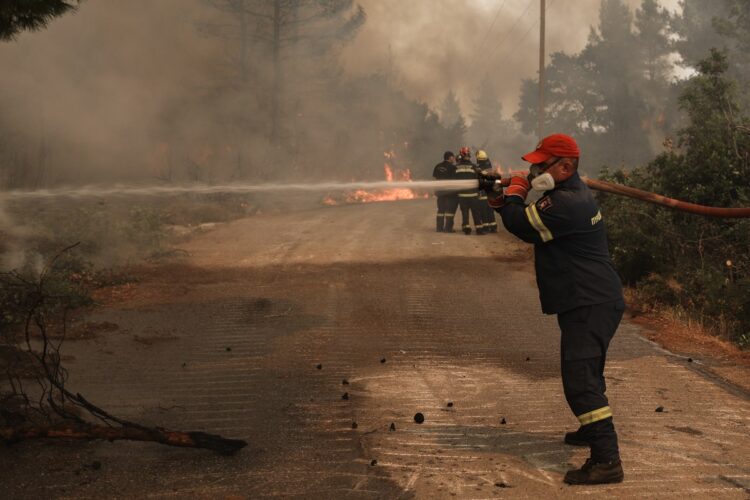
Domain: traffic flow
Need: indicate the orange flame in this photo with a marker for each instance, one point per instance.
(362, 196)
(394, 194)
(388, 173)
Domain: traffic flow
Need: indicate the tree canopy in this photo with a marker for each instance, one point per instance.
(697, 263)
(30, 15)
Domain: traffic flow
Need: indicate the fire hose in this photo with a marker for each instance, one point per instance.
(657, 199)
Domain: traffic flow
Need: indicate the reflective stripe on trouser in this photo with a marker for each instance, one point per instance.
(586, 333)
(595, 415)
(469, 204)
(488, 216)
(447, 205)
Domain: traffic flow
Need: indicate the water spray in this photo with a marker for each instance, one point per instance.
(442, 185)
(114, 191)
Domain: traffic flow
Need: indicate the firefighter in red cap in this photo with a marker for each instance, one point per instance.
(468, 199)
(577, 282)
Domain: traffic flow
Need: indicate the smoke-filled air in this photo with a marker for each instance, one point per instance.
(358, 244)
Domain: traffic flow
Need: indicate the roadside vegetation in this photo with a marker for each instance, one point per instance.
(661, 98)
(697, 267)
(56, 256)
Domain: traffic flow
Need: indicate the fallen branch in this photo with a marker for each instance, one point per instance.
(87, 431)
(55, 411)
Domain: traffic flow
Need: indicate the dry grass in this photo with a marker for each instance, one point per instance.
(682, 333)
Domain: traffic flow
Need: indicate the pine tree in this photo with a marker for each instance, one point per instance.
(736, 28)
(450, 110)
(696, 29)
(489, 130)
(487, 119)
(618, 82)
(600, 96)
(285, 30)
(722, 25)
(652, 26)
(452, 119)
(654, 47)
(25, 15)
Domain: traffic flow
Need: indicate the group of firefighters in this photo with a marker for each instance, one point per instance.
(472, 201)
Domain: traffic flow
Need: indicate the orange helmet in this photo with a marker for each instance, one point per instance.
(464, 152)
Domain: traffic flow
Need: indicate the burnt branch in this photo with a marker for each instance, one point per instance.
(51, 410)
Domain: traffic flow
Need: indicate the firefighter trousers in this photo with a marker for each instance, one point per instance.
(446, 211)
(488, 215)
(586, 333)
(470, 203)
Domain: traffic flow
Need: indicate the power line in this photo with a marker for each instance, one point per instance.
(523, 37)
(513, 27)
(487, 34)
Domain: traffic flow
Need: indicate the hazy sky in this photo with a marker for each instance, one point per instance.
(106, 78)
(432, 42)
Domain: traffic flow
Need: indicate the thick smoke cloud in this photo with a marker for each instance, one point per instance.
(98, 92)
(99, 80)
(436, 45)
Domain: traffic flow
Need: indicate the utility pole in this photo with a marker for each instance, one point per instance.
(540, 114)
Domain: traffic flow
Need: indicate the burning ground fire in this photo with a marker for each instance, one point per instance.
(394, 194)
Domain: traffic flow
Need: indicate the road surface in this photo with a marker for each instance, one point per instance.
(229, 341)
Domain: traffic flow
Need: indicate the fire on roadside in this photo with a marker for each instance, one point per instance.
(393, 194)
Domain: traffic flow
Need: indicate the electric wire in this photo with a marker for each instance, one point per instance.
(512, 28)
(513, 52)
(487, 34)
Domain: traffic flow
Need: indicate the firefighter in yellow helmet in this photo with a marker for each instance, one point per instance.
(468, 199)
(487, 213)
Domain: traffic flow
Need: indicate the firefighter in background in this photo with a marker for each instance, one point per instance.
(487, 213)
(468, 199)
(447, 201)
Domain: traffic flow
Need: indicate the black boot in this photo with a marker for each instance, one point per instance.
(596, 473)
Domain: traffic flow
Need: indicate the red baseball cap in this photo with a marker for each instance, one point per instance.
(555, 145)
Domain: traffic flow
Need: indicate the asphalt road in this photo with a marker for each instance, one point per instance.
(229, 341)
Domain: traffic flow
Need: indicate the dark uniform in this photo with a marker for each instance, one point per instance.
(468, 199)
(578, 282)
(487, 213)
(447, 201)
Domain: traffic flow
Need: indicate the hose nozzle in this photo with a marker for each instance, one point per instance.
(490, 182)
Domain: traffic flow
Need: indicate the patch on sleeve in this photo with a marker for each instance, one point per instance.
(544, 204)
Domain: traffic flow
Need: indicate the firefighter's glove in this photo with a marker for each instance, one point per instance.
(496, 200)
(519, 186)
(488, 183)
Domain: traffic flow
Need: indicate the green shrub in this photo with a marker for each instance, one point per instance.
(699, 264)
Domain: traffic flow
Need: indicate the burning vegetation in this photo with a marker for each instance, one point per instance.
(389, 194)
